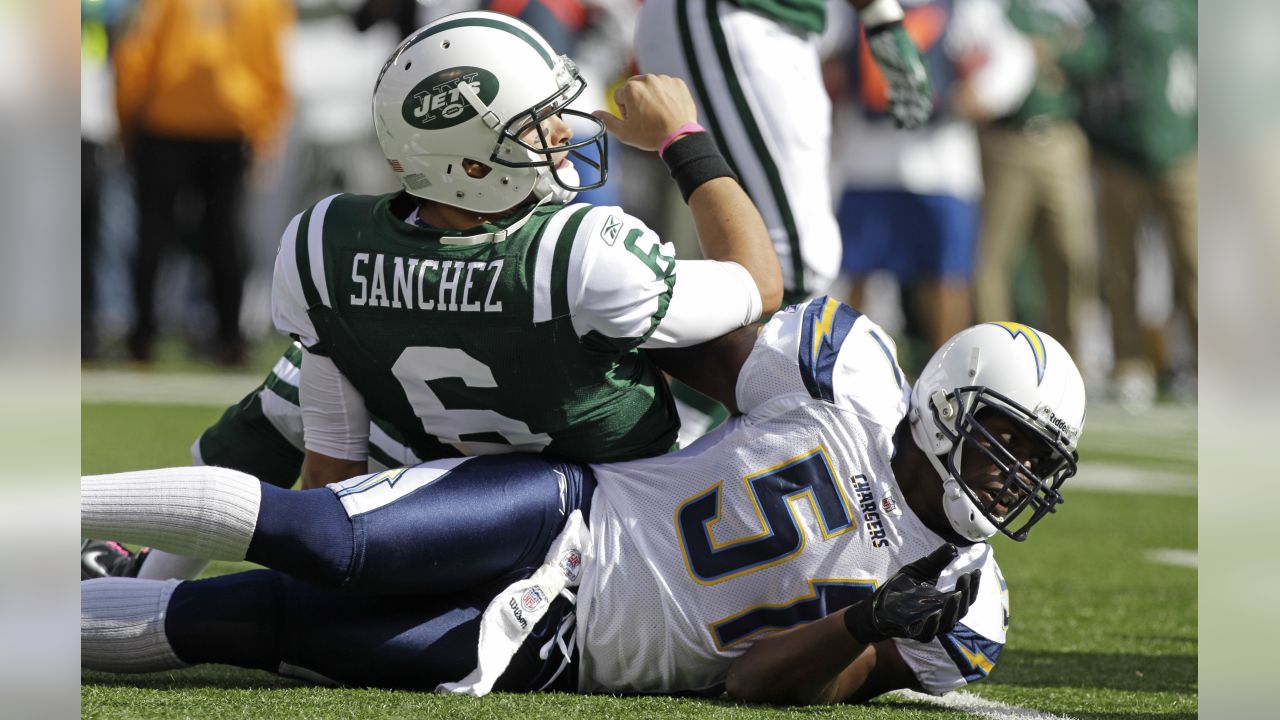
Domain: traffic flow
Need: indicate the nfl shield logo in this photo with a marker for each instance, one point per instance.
(890, 506)
(531, 599)
(571, 564)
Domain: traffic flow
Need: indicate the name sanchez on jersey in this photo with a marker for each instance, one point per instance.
(391, 281)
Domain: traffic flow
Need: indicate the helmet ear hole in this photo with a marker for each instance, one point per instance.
(475, 169)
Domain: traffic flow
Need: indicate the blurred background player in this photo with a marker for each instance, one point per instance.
(99, 22)
(909, 207)
(200, 91)
(1142, 119)
(1038, 180)
(755, 72)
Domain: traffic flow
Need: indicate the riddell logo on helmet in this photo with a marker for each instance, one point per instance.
(1050, 418)
(438, 102)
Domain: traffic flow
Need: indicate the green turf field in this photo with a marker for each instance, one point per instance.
(1100, 626)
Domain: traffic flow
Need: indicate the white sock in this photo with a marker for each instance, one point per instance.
(161, 565)
(122, 625)
(203, 512)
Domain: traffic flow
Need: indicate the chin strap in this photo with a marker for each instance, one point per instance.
(548, 189)
(963, 515)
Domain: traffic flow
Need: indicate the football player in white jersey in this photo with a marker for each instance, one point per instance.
(826, 544)
(755, 70)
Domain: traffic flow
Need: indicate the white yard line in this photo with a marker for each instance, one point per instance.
(975, 705)
(1110, 477)
(1162, 419)
(1169, 429)
(1175, 557)
(123, 386)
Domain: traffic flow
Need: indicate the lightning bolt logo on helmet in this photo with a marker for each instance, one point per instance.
(1033, 340)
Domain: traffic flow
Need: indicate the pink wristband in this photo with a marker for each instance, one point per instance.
(685, 129)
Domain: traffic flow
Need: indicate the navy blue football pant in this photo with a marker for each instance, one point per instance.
(392, 596)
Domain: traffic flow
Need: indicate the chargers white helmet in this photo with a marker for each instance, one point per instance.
(467, 87)
(1020, 373)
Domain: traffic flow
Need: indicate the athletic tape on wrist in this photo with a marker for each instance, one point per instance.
(694, 161)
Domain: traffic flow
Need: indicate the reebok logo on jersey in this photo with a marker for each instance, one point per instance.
(609, 232)
(439, 102)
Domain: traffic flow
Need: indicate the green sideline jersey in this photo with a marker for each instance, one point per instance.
(1065, 31)
(519, 335)
(1145, 113)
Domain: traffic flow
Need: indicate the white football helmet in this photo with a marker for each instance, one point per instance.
(467, 87)
(1024, 375)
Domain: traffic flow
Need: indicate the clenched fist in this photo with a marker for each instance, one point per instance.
(652, 107)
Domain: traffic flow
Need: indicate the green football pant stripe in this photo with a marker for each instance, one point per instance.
(757, 143)
(700, 83)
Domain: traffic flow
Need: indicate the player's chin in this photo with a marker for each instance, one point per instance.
(997, 500)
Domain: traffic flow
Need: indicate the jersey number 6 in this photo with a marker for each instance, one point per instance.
(418, 365)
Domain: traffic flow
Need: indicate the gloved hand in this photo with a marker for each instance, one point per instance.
(910, 95)
(909, 604)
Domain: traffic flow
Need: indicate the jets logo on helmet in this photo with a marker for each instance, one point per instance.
(439, 102)
(984, 377)
(463, 106)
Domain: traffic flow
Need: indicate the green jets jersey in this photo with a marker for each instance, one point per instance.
(519, 335)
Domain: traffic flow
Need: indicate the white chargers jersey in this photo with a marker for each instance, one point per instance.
(780, 517)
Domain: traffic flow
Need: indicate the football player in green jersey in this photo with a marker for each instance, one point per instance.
(476, 311)
(479, 310)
